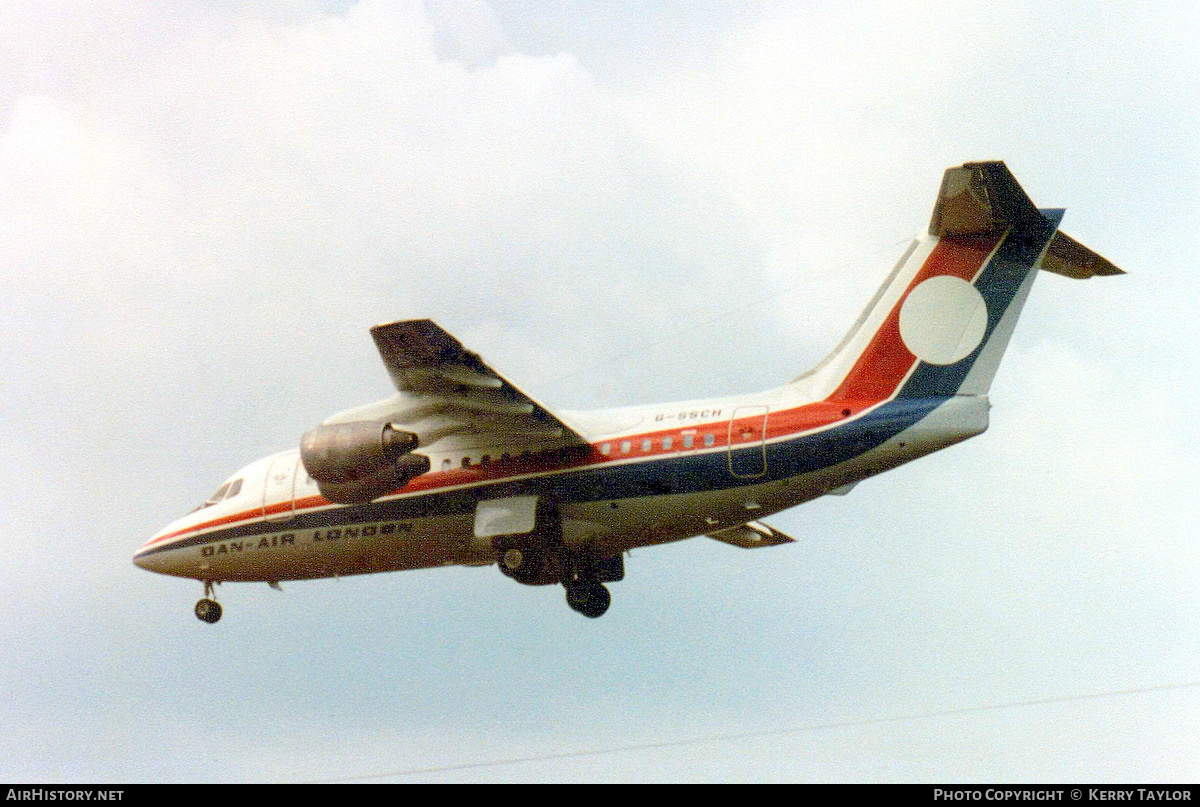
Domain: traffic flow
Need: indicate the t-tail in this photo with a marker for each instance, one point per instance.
(939, 325)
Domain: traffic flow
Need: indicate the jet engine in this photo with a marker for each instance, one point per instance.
(357, 461)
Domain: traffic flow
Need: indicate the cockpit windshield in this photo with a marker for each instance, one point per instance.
(226, 491)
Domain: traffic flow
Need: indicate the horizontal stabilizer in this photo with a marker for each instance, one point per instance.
(1068, 257)
(981, 199)
(752, 535)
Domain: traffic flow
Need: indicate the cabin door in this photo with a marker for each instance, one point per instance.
(747, 442)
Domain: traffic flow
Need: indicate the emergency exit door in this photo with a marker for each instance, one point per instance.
(279, 488)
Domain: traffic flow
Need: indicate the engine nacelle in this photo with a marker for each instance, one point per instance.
(364, 489)
(341, 453)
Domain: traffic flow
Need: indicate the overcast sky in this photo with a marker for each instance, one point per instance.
(204, 207)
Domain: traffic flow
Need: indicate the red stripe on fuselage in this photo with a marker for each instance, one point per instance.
(782, 423)
(886, 360)
(874, 378)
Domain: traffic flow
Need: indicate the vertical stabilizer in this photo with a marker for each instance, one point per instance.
(939, 325)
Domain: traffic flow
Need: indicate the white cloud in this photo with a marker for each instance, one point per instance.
(209, 206)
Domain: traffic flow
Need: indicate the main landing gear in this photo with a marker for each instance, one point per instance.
(540, 557)
(208, 609)
(588, 597)
(582, 575)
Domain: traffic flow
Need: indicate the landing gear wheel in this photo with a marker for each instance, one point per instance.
(208, 611)
(588, 598)
(513, 559)
(577, 595)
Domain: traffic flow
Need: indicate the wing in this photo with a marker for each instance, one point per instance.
(448, 392)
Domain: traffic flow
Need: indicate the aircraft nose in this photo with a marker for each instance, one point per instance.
(147, 557)
(141, 559)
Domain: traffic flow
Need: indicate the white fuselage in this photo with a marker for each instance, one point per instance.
(664, 473)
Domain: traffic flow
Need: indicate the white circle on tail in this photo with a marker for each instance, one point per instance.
(943, 320)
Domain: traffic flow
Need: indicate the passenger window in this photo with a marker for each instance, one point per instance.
(709, 439)
(647, 444)
(688, 440)
(666, 444)
(606, 448)
(625, 446)
(466, 462)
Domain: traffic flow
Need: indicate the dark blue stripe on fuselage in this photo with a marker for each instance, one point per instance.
(691, 473)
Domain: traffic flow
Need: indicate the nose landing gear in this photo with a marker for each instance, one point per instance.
(208, 609)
